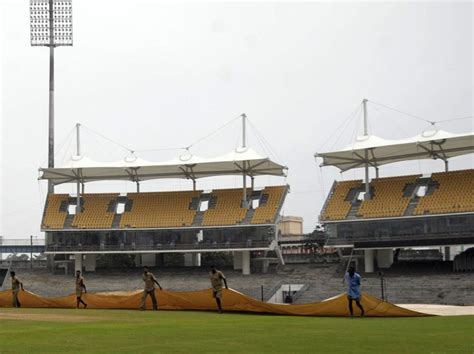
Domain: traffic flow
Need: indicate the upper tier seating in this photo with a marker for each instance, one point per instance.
(454, 194)
(163, 209)
(337, 206)
(97, 211)
(54, 217)
(267, 212)
(447, 192)
(387, 197)
(228, 210)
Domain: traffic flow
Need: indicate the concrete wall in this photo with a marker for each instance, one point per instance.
(291, 225)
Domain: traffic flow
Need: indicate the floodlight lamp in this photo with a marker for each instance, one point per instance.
(51, 23)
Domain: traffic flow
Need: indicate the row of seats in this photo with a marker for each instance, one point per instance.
(165, 209)
(387, 197)
(228, 210)
(455, 193)
(161, 209)
(94, 212)
(337, 206)
(54, 217)
(266, 213)
(450, 192)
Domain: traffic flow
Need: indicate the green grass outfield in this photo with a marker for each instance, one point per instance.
(121, 331)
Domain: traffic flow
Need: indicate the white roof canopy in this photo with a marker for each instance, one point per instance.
(186, 166)
(376, 151)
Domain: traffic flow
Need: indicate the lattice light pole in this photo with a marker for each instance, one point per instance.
(51, 26)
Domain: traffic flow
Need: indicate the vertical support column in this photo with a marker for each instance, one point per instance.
(246, 262)
(366, 154)
(237, 260)
(385, 258)
(148, 259)
(51, 95)
(196, 259)
(369, 261)
(77, 262)
(78, 197)
(446, 165)
(90, 262)
(188, 260)
(447, 253)
(245, 203)
(78, 153)
(48, 240)
(31, 251)
(159, 259)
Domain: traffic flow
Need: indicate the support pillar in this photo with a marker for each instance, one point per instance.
(385, 258)
(78, 262)
(369, 261)
(78, 198)
(196, 259)
(138, 260)
(90, 262)
(237, 260)
(148, 260)
(447, 253)
(159, 259)
(189, 260)
(246, 262)
(265, 265)
(366, 153)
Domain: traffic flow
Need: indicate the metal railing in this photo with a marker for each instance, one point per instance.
(23, 242)
(387, 238)
(156, 247)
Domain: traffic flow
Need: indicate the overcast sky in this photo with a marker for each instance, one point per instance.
(154, 75)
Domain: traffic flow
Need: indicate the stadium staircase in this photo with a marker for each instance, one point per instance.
(69, 220)
(353, 211)
(248, 216)
(116, 221)
(194, 205)
(197, 221)
(411, 207)
(410, 191)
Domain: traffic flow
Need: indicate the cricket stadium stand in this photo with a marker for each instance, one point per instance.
(239, 220)
(375, 216)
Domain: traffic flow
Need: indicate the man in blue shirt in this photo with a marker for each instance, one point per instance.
(353, 294)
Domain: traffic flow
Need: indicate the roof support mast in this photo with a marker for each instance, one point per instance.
(51, 93)
(366, 157)
(245, 203)
(78, 153)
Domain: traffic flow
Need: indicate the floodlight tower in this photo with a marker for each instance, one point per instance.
(51, 26)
